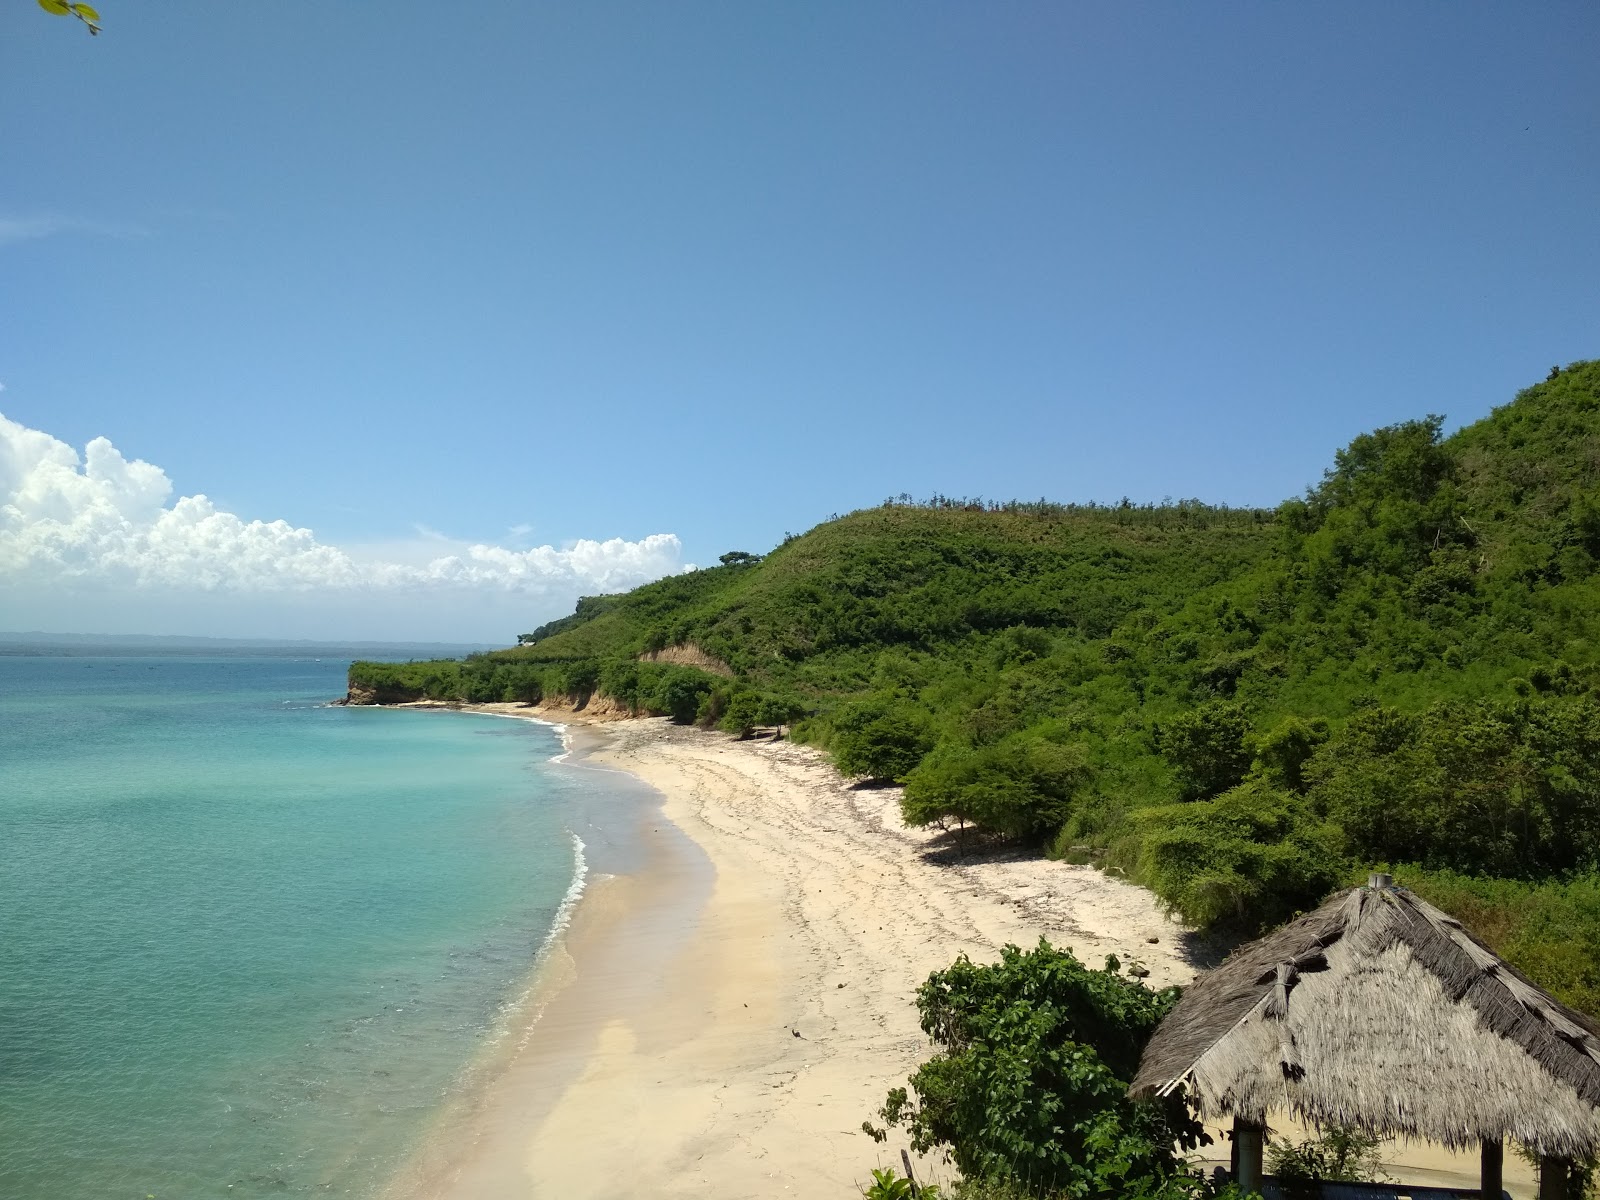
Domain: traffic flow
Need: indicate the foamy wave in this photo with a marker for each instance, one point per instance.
(569, 901)
(526, 1010)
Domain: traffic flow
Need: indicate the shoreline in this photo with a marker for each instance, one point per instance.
(625, 926)
(721, 1022)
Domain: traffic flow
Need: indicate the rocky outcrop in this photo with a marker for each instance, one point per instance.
(361, 693)
(689, 655)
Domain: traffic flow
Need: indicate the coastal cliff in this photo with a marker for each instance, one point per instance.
(373, 693)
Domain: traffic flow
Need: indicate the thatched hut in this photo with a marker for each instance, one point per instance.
(1381, 1012)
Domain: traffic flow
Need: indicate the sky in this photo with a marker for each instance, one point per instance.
(419, 320)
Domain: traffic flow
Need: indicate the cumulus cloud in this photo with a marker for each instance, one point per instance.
(99, 519)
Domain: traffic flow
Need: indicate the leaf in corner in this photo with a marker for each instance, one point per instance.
(60, 7)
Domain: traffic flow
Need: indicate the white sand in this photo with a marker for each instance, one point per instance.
(721, 1022)
(681, 1074)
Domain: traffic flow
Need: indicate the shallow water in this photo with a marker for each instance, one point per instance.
(250, 944)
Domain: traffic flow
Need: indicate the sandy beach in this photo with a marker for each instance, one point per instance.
(720, 1022)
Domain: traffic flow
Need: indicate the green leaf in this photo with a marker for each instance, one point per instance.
(87, 13)
(60, 7)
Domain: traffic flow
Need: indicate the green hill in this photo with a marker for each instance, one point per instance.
(1238, 708)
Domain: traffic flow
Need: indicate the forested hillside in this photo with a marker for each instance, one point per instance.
(1238, 708)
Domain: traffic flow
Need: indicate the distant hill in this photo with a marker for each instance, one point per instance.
(1238, 708)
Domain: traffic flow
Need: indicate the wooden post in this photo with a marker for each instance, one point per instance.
(910, 1178)
(1247, 1142)
(1494, 1159)
(1553, 1177)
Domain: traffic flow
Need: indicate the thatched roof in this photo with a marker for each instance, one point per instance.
(1379, 1011)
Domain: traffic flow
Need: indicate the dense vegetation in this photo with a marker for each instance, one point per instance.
(1028, 1092)
(1240, 708)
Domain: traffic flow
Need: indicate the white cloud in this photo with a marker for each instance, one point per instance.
(99, 521)
(31, 228)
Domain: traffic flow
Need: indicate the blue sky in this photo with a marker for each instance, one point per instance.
(417, 277)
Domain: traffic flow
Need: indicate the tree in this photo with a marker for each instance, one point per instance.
(1281, 754)
(1022, 786)
(880, 738)
(739, 558)
(70, 8)
(679, 692)
(1209, 747)
(1030, 1083)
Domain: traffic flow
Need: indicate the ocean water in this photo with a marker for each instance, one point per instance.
(250, 944)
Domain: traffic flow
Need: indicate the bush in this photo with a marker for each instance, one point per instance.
(1030, 1084)
(890, 1185)
(1248, 859)
(1208, 747)
(1021, 787)
(881, 738)
(1342, 1153)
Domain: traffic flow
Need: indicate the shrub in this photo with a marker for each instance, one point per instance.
(881, 738)
(1247, 859)
(890, 1185)
(1341, 1153)
(1208, 747)
(1021, 787)
(1030, 1083)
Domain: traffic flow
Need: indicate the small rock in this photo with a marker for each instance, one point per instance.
(1152, 940)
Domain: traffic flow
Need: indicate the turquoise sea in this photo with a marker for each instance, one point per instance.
(250, 944)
